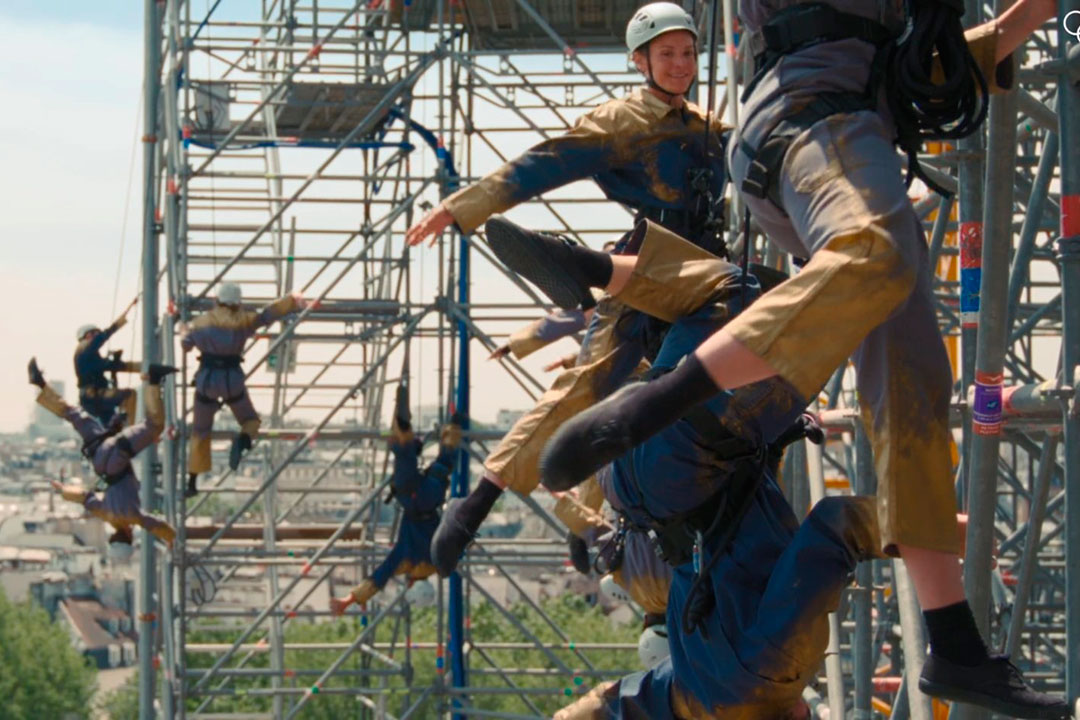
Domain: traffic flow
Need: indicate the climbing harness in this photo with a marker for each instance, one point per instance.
(921, 108)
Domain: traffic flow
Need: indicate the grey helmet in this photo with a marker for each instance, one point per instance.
(654, 20)
(83, 329)
(229, 294)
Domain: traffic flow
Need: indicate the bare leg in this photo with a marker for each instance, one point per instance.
(622, 267)
(936, 575)
(730, 364)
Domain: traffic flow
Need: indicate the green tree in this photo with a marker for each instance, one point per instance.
(123, 702)
(553, 688)
(41, 674)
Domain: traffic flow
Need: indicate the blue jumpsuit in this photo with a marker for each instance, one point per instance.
(774, 584)
(642, 153)
(639, 150)
(420, 493)
(97, 396)
(640, 571)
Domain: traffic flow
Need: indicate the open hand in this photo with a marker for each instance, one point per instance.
(429, 226)
(338, 606)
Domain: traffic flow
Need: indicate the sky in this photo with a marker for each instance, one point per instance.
(71, 210)
(70, 94)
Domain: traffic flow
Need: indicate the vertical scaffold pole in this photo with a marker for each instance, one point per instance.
(461, 475)
(970, 172)
(1069, 256)
(862, 640)
(147, 578)
(991, 344)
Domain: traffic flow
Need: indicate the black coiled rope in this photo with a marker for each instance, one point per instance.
(951, 108)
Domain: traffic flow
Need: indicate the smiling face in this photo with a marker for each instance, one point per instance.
(673, 57)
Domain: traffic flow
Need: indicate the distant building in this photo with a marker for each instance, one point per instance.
(44, 423)
(505, 419)
(427, 417)
(96, 613)
(103, 634)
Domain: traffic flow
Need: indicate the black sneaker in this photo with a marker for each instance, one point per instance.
(579, 554)
(157, 372)
(450, 539)
(995, 684)
(588, 441)
(240, 444)
(36, 376)
(544, 260)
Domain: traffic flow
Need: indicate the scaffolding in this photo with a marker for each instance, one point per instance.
(289, 145)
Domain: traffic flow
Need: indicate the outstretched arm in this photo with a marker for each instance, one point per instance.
(1014, 26)
(103, 337)
(278, 309)
(582, 152)
(187, 343)
(546, 330)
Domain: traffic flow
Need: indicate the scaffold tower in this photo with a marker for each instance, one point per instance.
(287, 147)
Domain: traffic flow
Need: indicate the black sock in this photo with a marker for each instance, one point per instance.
(478, 504)
(191, 481)
(667, 398)
(595, 266)
(954, 635)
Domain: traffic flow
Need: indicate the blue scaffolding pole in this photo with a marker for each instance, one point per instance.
(461, 478)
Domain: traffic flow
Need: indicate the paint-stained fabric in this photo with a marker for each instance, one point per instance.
(642, 153)
(420, 493)
(119, 505)
(97, 396)
(90, 366)
(774, 582)
(223, 332)
(546, 330)
(638, 149)
(617, 343)
(767, 636)
(641, 571)
(866, 292)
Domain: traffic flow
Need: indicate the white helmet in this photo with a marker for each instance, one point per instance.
(421, 594)
(83, 329)
(121, 552)
(652, 646)
(612, 591)
(229, 294)
(656, 19)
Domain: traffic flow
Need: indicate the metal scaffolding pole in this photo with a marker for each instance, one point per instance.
(256, 120)
(989, 361)
(1068, 247)
(147, 605)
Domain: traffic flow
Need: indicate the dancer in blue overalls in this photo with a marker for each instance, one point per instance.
(420, 493)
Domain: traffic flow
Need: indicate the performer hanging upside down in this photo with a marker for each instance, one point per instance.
(749, 631)
(648, 151)
(220, 335)
(97, 394)
(820, 173)
(110, 449)
(420, 493)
